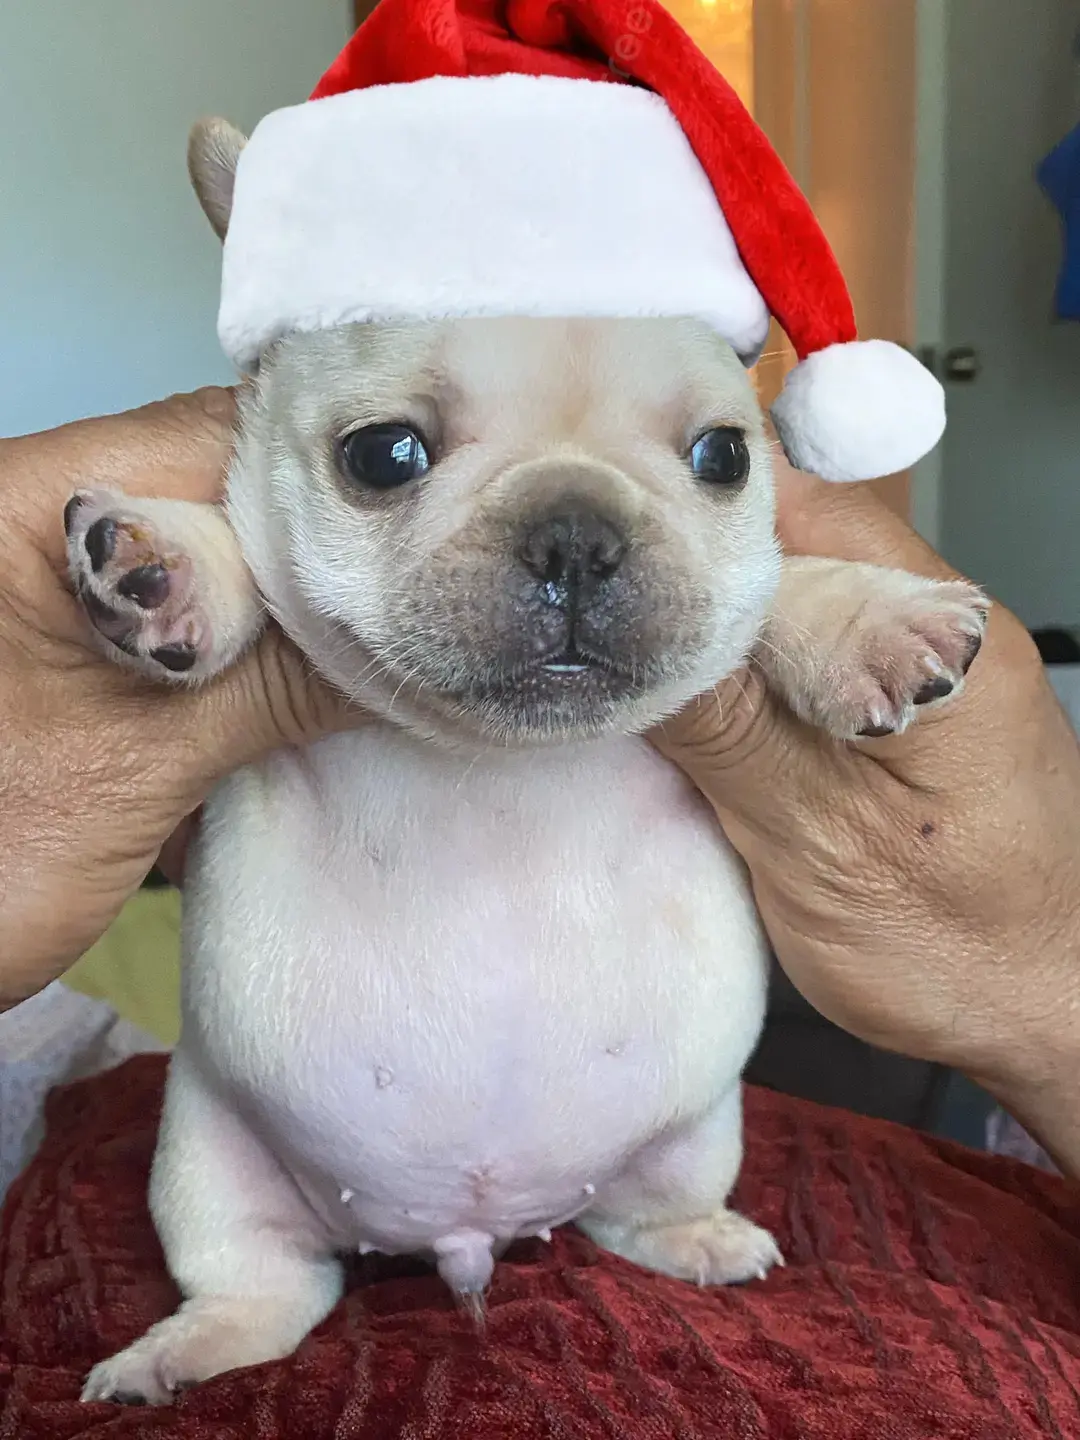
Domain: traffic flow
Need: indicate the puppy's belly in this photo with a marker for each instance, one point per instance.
(462, 991)
(512, 1161)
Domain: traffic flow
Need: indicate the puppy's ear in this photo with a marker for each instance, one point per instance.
(213, 154)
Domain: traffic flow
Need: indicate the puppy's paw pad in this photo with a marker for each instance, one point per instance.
(724, 1249)
(903, 653)
(148, 585)
(136, 584)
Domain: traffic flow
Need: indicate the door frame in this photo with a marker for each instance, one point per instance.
(931, 178)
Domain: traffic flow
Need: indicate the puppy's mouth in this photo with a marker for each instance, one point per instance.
(566, 665)
(571, 691)
(573, 663)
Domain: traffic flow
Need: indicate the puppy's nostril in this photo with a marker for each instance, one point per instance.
(606, 555)
(554, 567)
(572, 546)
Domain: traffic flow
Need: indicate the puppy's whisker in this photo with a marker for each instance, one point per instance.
(763, 644)
(480, 754)
(736, 680)
(789, 658)
(406, 678)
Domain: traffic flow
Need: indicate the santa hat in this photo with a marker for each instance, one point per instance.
(557, 158)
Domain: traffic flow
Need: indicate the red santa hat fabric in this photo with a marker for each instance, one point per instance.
(557, 157)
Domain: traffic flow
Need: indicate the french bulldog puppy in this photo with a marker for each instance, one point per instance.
(487, 965)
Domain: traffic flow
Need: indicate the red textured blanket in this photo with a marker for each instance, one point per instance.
(930, 1293)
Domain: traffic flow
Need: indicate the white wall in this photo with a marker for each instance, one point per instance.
(108, 271)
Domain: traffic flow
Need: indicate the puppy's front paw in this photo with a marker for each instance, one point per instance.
(903, 653)
(153, 584)
(860, 651)
(723, 1249)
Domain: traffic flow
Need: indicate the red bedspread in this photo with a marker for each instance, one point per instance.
(930, 1292)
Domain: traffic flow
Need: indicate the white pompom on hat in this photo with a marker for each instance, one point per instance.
(859, 410)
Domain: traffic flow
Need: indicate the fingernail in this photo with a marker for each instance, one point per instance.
(218, 403)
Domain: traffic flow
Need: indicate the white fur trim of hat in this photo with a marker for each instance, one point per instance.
(514, 195)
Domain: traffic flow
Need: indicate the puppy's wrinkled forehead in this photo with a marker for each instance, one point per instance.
(592, 383)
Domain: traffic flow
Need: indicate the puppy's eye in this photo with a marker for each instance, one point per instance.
(384, 457)
(721, 457)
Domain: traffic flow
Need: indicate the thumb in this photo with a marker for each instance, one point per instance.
(744, 751)
(742, 746)
(272, 699)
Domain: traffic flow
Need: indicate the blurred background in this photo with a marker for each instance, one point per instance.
(916, 127)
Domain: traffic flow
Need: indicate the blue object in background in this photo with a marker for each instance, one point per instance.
(1059, 176)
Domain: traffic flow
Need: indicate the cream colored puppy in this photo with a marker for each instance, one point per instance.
(487, 965)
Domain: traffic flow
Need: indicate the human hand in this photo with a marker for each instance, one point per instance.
(97, 768)
(922, 891)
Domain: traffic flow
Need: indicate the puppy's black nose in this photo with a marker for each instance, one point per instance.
(570, 548)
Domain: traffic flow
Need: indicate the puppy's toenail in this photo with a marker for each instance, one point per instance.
(876, 732)
(115, 627)
(97, 609)
(71, 509)
(101, 542)
(935, 689)
(177, 658)
(973, 652)
(148, 586)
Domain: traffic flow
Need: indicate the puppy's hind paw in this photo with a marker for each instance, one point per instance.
(205, 1338)
(722, 1249)
(128, 1379)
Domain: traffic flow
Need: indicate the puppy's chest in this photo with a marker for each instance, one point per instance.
(381, 857)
